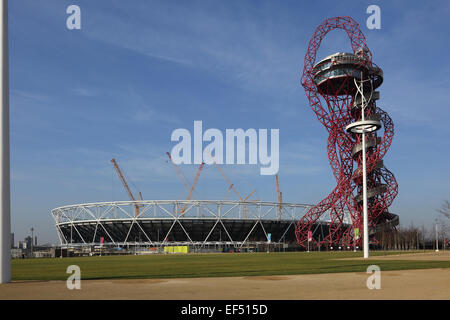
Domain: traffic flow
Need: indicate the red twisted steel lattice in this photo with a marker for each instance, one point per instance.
(344, 149)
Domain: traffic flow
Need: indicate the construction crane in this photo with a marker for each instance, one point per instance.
(177, 169)
(226, 194)
(127, 188)
(244, 213)
(183, 179)
(280, 197)
(193, 187)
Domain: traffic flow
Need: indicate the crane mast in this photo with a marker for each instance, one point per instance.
(183, 179)
(244, 213)
(127, 188)
(193, 187)
(177, 169)
(280, 197)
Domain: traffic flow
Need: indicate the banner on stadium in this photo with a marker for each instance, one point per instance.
(176, 249)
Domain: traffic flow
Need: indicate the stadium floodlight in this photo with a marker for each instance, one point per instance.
(5, 215)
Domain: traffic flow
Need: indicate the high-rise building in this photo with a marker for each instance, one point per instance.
(29, 241)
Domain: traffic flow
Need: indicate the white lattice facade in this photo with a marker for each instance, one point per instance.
(196, 222)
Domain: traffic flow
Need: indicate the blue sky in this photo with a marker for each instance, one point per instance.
(134, 73)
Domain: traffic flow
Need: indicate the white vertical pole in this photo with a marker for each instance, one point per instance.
(5, 216)
(366, 216)
(365, 213)
(437, 238)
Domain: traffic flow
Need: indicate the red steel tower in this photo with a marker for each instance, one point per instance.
(341, 90)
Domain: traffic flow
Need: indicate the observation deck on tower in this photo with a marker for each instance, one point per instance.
(334, 74)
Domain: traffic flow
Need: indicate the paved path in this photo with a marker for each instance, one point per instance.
(407, 284)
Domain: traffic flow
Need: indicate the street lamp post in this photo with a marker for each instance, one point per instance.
(364, 168)
(437, 238)
(362, 127)
(5, 215)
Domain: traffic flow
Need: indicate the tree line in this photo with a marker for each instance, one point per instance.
(417, 238)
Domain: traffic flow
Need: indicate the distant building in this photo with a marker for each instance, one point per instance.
(17, 253)
(12, 240)
(44, 252)
(22, 245)
(29, 241)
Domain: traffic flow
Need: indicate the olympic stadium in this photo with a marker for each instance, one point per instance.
(199, 224)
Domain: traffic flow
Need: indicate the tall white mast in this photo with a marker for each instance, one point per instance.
(5, 215)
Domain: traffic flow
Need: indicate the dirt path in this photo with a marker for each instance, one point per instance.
(424, 256)
(407, 284)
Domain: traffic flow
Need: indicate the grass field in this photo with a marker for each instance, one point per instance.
(209, 265)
